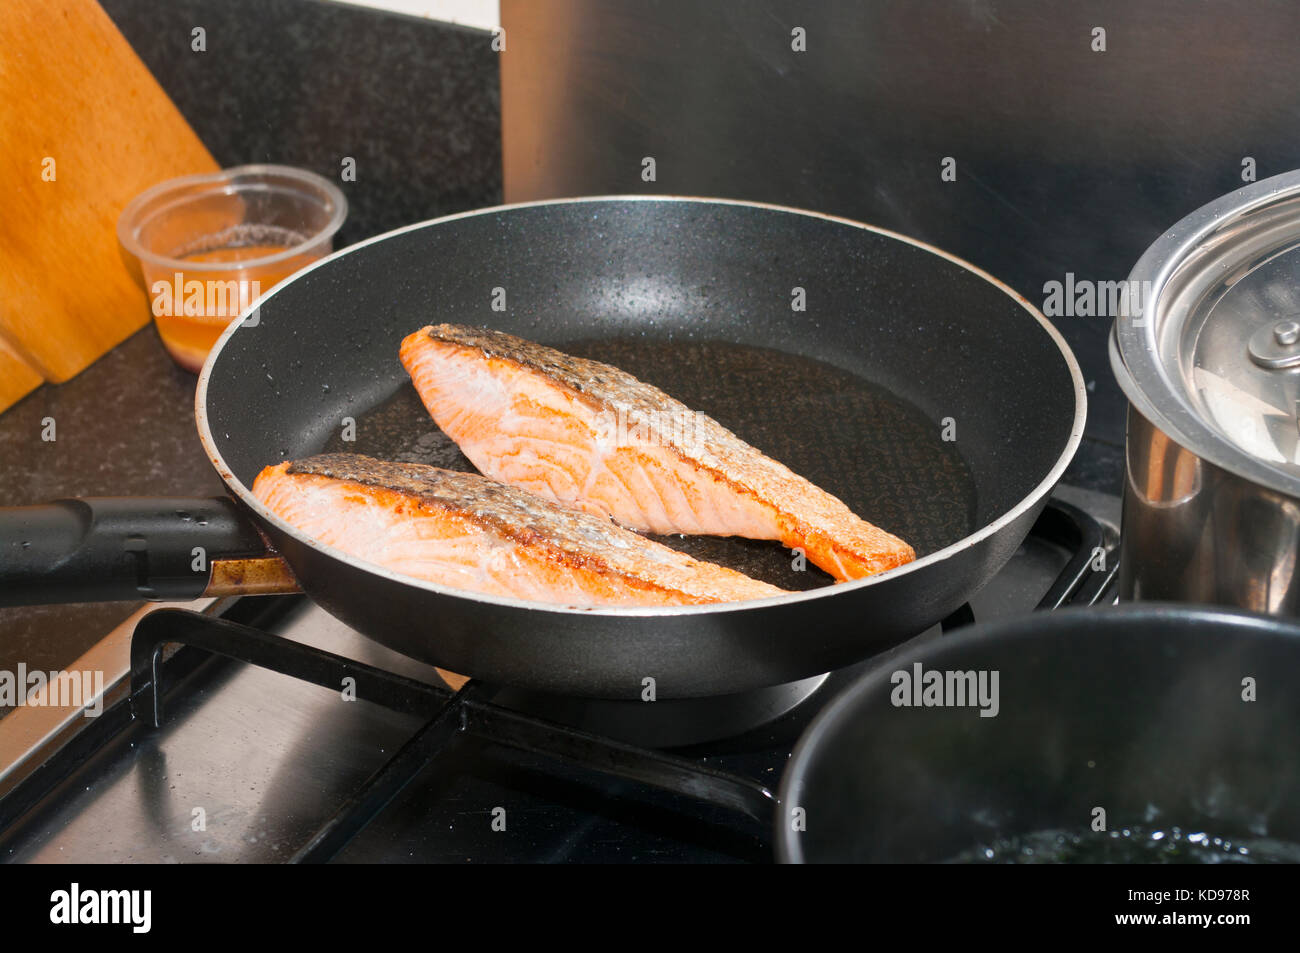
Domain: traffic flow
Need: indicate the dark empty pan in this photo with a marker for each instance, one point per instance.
(929, 397)
(1142, 734)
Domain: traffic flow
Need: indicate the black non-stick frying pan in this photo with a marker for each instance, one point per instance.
(929, 397)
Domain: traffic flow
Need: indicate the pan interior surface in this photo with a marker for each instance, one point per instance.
(920, 392)
(875, 451)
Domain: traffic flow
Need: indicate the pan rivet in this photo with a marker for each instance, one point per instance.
(1286, 332)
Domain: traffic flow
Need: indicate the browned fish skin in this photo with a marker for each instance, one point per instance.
(709, 480)
(602, 386)
(562, 551)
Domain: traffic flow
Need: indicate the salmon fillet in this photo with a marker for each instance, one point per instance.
(589, 434)
(467, 532)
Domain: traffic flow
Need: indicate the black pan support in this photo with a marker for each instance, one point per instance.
(471, 709)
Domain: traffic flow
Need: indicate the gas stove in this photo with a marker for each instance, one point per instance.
(265, 730)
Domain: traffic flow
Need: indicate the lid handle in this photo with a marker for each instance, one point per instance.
(1276, 346)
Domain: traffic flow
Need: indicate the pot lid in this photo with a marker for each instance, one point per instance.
(1211, 351)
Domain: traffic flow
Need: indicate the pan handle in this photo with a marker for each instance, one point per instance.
(106, 549)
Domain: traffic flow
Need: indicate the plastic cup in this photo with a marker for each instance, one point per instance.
(208, 245)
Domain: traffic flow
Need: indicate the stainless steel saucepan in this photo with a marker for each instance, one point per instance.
(1210, 362)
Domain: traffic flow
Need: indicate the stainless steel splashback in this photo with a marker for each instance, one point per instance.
(1067, 158)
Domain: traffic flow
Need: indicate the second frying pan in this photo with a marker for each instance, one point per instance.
(1112, 734)
(929, 397)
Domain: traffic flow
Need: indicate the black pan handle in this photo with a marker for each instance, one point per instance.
(104, 549)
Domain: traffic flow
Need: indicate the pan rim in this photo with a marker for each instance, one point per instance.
(983, 533)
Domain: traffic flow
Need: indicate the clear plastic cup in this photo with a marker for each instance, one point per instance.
(208, 245)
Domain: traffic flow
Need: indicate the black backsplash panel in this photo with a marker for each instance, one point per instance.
(1068, 158)
(301, 82)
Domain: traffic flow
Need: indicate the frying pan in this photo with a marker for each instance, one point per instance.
(928, 396)
(1137, 710)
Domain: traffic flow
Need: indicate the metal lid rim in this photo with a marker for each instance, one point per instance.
(1135, 364)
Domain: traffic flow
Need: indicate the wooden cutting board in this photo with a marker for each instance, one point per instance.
(17, 377)
(84, 128)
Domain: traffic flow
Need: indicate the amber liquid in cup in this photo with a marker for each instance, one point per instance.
(193, 307)
(209, 245)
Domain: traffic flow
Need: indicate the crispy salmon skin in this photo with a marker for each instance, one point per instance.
(467, 532)
(588, 434)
